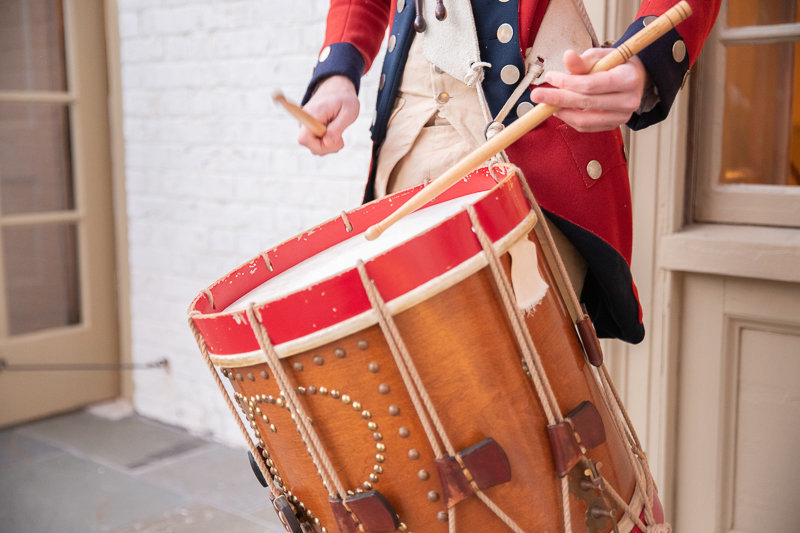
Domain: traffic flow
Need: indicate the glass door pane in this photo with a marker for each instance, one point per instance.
(41, 277)
(32, 46)
(35, 158)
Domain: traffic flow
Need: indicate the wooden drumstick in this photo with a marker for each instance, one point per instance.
(316, 127)
(511, 133)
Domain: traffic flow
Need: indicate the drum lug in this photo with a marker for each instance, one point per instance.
(478, 467)
(581, 430)
(365, 512)
(587, 484)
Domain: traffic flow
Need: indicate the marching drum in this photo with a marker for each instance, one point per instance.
(431, 380)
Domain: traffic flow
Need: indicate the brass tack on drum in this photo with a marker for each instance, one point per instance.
(239, 377)
(311, 389)
(264, 374)
(413, 454)
(301, 390)
(318, 360)
(377, 436)
(272, 428)
(298, 366)
(380, 457)
(345, 398)
(265, 418)
(363, 345)
(323, 390)
(378, 469)
(373, 478)
(423, 475)
(374, 367)
(250, 376)
(356, 406)
(381, 447)
(383, 388)
(367, 485)
(403, 433)
(335, 394)
(402, 527)
(372, 426)
(442, 516)
(280, 402)
(366, 415)
(433, 496)
(340, 353)
(394, 410)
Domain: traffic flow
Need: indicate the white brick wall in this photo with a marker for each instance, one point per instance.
(213, 172)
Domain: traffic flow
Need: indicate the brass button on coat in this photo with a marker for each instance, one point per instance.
(594, 169)
(442, 97)
(323, 55)
(392, 43)
(509, 74)
(504, 33)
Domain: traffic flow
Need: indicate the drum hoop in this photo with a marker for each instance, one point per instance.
(395, 306)
(220, 329)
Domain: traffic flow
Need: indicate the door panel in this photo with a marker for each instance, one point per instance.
(739, 402)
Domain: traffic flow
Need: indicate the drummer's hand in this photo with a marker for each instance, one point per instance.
(594, 102)
(335, 104)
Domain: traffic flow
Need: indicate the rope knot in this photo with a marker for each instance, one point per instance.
(493, 129)
(474, 74)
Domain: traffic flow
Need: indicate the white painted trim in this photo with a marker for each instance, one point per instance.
(727, 250)
(119, 197)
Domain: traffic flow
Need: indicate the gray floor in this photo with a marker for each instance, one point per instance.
(84, 473)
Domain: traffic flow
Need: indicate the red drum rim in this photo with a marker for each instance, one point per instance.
(332, 308)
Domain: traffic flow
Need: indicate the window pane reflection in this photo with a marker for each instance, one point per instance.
(35, 160)
(41, 271)
(758, 12)
(761, 122)
(32, 46)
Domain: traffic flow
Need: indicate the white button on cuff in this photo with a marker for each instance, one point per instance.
(323, 55)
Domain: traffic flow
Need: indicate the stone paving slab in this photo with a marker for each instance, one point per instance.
(16, 448)
(87, 474)
(67, 494)
(128, 443)
(215, 474)
(200, 519)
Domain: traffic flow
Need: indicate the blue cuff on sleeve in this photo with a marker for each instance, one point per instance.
(337, 59)
(667, 63)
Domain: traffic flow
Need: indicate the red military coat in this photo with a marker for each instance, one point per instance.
(593, 211)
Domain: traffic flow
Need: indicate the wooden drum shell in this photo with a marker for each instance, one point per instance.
(463, 348)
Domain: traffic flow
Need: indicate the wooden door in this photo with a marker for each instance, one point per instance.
(57, 284)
